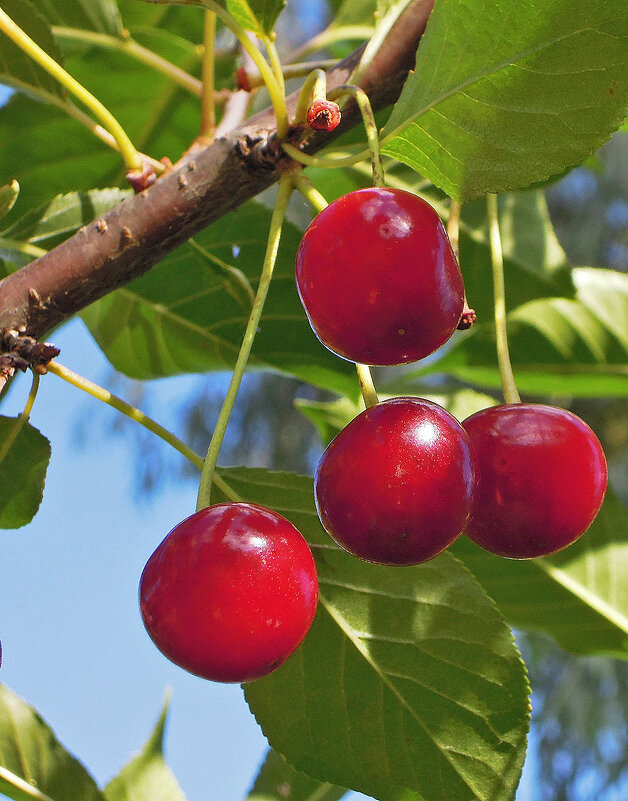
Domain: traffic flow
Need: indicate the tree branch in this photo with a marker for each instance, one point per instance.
(207, 184)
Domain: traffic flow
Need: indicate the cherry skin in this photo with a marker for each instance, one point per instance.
(541, 479)
(378, 279)
(395, 486)
(230, 592)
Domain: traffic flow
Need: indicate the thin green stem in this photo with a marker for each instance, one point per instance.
(453, 226)
(511, 395)
(367, 387)
(324, 161)
(102, 394)
(370, 127)
(298, 70)
(132, 159)
(208, 106)
(274, 235)
(80, 116)
(277, 96)
(21, 421)
(134, 49)
(332, 35)
(314, 88)
(275, 61)
(309, 191)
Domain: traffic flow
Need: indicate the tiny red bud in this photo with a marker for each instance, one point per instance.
(323, 115)
(141, 179)
(242, 80)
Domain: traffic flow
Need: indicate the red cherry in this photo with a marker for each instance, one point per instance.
(378, 278)
(395, 485)
(541, 476)
(230, 592)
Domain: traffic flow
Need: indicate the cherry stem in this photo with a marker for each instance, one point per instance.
(274, 86)
(453, 227)
(274, 235)
(511, 394)
(22, 419)
(133, 413)
(314, 88)
(208, 105)
(370, 126)
(367, 387)
(324, 161)
(126, 44)
(330, 36)
(132, 159)
(298, 70)
(309, 191)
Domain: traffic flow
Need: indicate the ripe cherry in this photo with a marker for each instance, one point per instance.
(230, 592)
(541, 476)
(378, 279)
(395, 485)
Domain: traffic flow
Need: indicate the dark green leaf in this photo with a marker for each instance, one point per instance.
(179, 318)
(16, 68)
(34, 766)
(408, 685)
(505, 94)
(24, 457)
(147, 777)
(579, 596)
(64, 214)
(279, 781)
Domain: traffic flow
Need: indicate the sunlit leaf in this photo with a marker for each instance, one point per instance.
(34, 766)
(147, 777)
(505, 94)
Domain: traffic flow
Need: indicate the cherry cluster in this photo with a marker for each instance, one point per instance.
(232, 591)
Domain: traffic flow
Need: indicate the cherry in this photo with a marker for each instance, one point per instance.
(395, 486)
(378, 279)
(230, 592)
(541, 476)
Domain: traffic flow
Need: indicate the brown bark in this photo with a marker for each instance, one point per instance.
(205, 185)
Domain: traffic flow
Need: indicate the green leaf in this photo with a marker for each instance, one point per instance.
(34, 766)
(279, 781)
(8, 196)
(506, 94)
(408, 685)
(179, 318)
(147, 777)
(579, 596)
(64, 214)
(258, 16)
(24, 457)
(101, 16)
(16, 68)
(575, 346)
